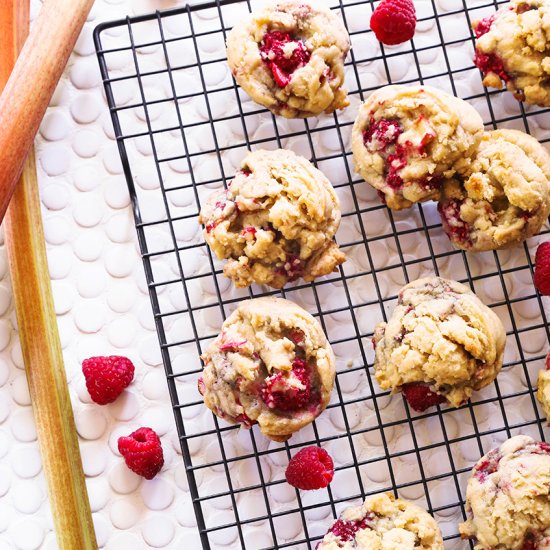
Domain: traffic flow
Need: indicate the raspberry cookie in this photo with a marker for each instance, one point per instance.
(543, 392)
(508, 497)
(440, 344)
(513, 47)
(502, 198)
(271, 365)
(275, 222)
(383, 523)
(289, 57)
(407, 139)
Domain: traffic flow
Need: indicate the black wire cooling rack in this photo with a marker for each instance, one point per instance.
(169, 62)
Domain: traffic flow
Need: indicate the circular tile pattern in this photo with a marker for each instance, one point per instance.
(103, 308)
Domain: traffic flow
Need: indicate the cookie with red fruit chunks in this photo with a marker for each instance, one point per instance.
(289, 57)
(383, 522)
(508, 497)
(440, 344)
(502, 197)
(407, 139)
(275, 222)
(270, 365)
(543, 391)
(513, 49)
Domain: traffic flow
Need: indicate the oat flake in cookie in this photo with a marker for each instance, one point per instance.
(289, 57)
(440, 344)
(513, 47)
(275, 222)
(383, 523)
(508, 497)
(271, 365)
(407, 139)
(502, 197)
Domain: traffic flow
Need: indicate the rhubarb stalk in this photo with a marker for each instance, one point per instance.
(24, 238)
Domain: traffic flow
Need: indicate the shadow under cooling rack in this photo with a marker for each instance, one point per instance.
(182, 127)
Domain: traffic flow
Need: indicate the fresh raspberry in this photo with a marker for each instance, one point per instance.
(394, 21)
(283, 55)
(542, 268)
(107, 377)
(548, 361)
(420, 397)
(142, 452)
(310, 468)
(288, 393)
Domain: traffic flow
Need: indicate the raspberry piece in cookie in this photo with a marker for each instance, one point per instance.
(454, 226)
(275, 222)
(271, 365)
(383, 522)
(407, 139)
(502, 197)
(394, 21)
(508, 497)
(420, 397)
(440, 344)
(283, 55)
(289, 57)
(309, 469)
(291, 392)
(512, 47)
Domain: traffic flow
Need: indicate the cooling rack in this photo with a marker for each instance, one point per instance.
(182, 126)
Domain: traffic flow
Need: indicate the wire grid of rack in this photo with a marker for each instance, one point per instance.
(422, 456)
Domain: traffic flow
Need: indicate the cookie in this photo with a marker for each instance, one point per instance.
(275, 222)
(383, 523)
(513, 48)
(508, 497)
(407, 139)
(502, 197)
(289, 57)
(270, 365)
(543, 391)
(442, 336)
